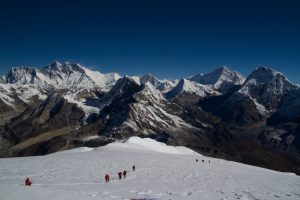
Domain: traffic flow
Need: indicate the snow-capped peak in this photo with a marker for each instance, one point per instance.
(267, 86)
(21, 75)
(61, 76)
(103, 80)
(66, 67)
(163, 86)
(221, 79)
(221, 70)
(190, 87)
(262, 75)
(149, 78)
(55, 65)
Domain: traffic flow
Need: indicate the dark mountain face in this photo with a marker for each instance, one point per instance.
(118, 102)
(282, 129)
(53, 117)
(267, 87)
(15, 99)
(255, 121)
(143, 111)
(237, 108)
(8, 111)
(289, 109)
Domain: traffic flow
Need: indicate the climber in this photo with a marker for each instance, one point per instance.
(120, 175)
(106, 178)
(28, 182)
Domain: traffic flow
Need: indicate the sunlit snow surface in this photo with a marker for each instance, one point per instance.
(162, 172)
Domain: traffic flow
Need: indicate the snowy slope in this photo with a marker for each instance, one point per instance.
(149, 78)
(170, 173)
(221, 79)
(9, 93)
(191, 87)
(150, 145)
(88, 109)
(167, 85)
(163, 86)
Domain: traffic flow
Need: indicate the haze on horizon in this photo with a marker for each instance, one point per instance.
(167, 39)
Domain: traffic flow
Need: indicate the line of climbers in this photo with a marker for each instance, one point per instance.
(120, 174)
(28, 182)
(203, 161)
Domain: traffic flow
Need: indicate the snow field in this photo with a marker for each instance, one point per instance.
(162, 172)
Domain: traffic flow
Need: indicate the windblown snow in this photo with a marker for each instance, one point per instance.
(162, 172)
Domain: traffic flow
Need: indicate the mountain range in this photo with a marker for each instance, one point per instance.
(254, 119)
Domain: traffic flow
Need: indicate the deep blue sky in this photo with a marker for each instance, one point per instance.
(169, 39)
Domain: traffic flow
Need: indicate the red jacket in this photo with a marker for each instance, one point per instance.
(28, 182)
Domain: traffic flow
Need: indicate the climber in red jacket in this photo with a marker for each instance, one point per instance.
(28, 182)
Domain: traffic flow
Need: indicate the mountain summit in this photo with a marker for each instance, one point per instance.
(221, 79)
(267, 86)
(60, 76)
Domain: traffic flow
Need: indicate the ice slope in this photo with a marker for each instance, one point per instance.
(78, 174)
